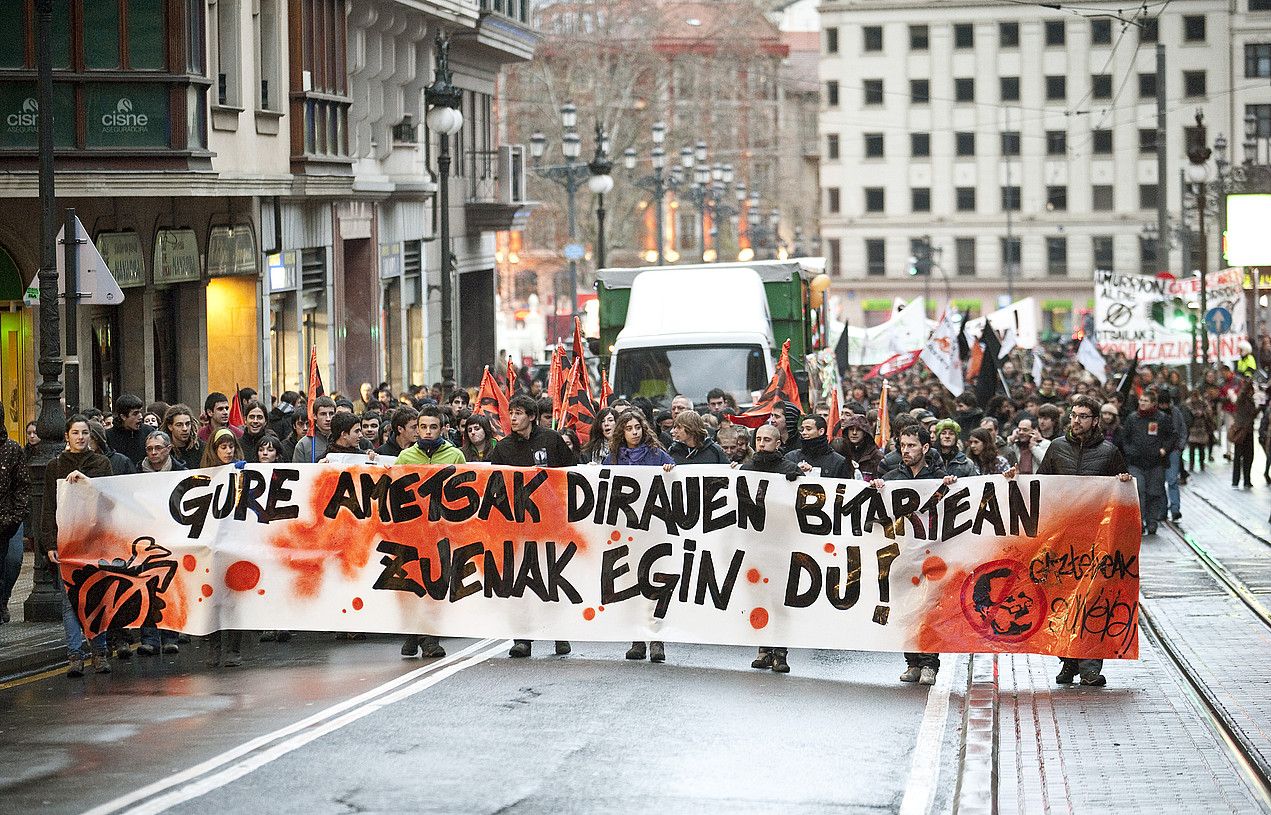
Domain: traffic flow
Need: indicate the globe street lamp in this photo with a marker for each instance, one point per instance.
(657, 182)
(444, 118)
(600, 183)
(1198, 174)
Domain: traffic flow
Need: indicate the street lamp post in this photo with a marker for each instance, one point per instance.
(600, 183)
(569, 175)
(444, 118)
(656, 182)
(1198, 173)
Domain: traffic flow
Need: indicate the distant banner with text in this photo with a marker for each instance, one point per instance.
(703, 554)
(1153, 316)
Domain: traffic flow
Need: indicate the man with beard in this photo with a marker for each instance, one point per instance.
(1084, 451)
(914, 443)
(178, 423)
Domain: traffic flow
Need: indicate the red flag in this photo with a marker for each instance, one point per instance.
(884, 420)
(782, 388)
(493, 402)
(606, 392)
(315, 387)
(578, 339)
(556, 382)
(834, 417)
(580, 410)
(511, 383)
(895, 364)
(977, 358)
(236, 409)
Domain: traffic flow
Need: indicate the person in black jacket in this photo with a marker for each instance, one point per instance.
(692, 444)
(1082, 450)
(402, 434)
(1147, 436)
(126, 435)
(914, 444)
(858, 447)
(178, 423)
(815, 456)
(119, 463)
(768, 459)
(529, 445)
(15, 505)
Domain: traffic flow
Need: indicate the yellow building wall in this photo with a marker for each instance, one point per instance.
(233, 351)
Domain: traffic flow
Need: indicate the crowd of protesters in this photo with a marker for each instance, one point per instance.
(1145, 423)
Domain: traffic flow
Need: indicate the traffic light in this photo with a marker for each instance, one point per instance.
(920, 260)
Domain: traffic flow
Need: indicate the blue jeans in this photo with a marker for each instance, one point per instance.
(12, 566)
(1171, 480)
(156, 637)
(75, 639)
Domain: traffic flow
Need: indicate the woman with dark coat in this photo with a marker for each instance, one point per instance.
(691, 443)
(857, 446)
(1241, 436)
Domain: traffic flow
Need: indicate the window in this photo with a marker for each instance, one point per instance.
(1147, 86)
(1194, 28)
(1008, 35)
(1147, 196)
(835, 260)
(831, 40)
(1010, 199)
(324, 107)
(1011, 250)
(265, 22)
(1056, 88)
(919, 91)
(964, 90)
(1101, 198)
(1101, 86)
(1258, 60)
(872, 37)
(1056, 142)
(1149, 30)
(874, 199)
(832, 203)
(1056, 198)
(1009, 88)
(965, 199)
(963, 35)
(832, 93)
(873, 91)
(225, 58)
(1100, 31)
(1101, 142)
(964, 248)
(965, 143)
(1193, 83)
(1262, 120)
(1054, 32)
(1147, 140)
(919, 38)
(873, 145)
(1010, 142)
(875, 257)
(919, 144)
(832, 146)
(1260, 5)
(920, 198)
(1147, 255)
(1102, 248)
(1057, 256)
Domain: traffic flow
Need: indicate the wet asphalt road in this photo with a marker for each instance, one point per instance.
(587, 733)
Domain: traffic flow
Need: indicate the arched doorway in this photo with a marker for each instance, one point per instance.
(17, 352)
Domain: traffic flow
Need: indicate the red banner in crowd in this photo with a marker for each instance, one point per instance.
(781, 388)
(897, 363)
(493, 402)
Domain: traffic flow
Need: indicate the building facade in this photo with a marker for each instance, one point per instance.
(1020, 142)
(257, 177)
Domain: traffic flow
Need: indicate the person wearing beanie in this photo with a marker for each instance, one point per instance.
(786, 420)
(856, 445)
(945, 433)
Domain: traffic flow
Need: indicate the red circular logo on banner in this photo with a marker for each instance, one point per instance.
(1002, 603)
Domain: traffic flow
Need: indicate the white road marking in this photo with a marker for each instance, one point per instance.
(924, 772)
(295, 735)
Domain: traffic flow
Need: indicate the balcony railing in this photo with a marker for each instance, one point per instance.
(482, 175)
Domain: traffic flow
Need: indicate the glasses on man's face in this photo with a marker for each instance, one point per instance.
(159, 449)
(1083, 417)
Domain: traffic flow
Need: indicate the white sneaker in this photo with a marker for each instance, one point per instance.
(928, 676)
(911, 674)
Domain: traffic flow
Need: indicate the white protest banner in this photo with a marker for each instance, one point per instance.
(940, 354)
(1020, 316)
(1090, 358)
(1149, 315)
(698, 554)
(906, 331)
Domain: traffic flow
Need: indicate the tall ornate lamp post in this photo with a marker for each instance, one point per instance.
(1198, 174)
(657, 183)
(444, 118)
(600, 182)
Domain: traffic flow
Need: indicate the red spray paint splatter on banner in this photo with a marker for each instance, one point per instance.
(589, 614)
(759, 618)
(357, 603)
(753, 575)
(207, 590)
(934, 568)
(189, 562)
(242, 575)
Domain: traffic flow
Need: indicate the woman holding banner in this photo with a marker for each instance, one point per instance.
(223, 449)
(635, 444)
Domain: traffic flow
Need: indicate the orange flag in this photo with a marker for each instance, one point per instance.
(884, 420)
(236, 409)
(578, 339)
(606, 392)
(834, 417)
(580, 410)
(315, 386)
(493, 402)
(782, 388)
(511, 379)
(556, 381)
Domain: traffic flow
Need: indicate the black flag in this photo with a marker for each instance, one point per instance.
(988, 382)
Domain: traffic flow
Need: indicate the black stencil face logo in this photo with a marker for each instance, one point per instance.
(122, 594)
(1118, 315)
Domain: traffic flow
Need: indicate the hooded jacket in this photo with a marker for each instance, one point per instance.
(1143, 438)
(708, 452)
(543, 448)
(956, 463)
(820, 456)
(437, 452)
(773, 463)
(931, 468)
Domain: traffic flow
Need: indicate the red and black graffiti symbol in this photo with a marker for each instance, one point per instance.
(122, 594)
(1001, 603)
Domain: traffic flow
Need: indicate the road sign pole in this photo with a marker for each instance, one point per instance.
(71, 243)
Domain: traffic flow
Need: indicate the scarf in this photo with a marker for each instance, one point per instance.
(638, 456)
(146, 467)
(766, 462)
(815, 447)
(430, 446)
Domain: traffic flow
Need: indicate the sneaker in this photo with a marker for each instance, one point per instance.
(233, 659)
(101, 662)
(411, 646)
(563, 648)
(75, 666)
(123, 653)
(520, 649)
(145, 649)
(284, 636)
(269, 636)
(928, 676)
(1066, 674)
(636, 651)
(779, 664)
(1092, 680)
(171, 648)
(657, 652)
(763, 662)
(1176, 515)
(912, 674)
(432, 648)
(1151, 528)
